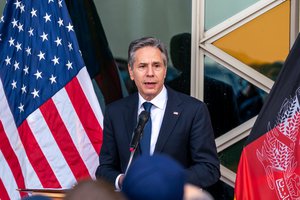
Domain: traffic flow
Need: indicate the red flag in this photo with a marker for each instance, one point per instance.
(50, 118)
(269, 167)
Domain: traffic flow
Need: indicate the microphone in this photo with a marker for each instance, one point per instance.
(143, 118)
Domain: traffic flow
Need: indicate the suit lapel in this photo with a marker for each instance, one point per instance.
(131, 118)
(172, 113)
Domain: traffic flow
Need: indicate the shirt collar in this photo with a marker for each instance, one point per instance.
(159, 101)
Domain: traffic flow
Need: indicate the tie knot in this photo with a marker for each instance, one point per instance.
(147, 106)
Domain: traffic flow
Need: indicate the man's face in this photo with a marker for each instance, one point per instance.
(148, 72)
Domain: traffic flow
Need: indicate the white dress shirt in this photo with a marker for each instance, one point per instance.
(157, 113)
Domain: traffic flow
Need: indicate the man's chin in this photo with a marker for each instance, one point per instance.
(149, 95)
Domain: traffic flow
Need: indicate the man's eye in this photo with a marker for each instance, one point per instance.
(141, 67)
(157, 66)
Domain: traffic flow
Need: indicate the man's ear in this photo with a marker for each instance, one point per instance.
(130, 71)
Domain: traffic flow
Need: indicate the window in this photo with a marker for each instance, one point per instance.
(238, 49)
(168, 20)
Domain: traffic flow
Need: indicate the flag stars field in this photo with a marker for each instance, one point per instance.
(26, 70)
(69, 65)
(16, 65)
(30, 31)
(60, 3)
(33, 13)
(34, 46)
(38, 74)
(47, 18)
(18, 46)
(60, 22)
(28, 51)
(52, 79)
(58, 41)
(15, 23)
(44, 36)
(45, 92)
(17, 3)
(23, 89)
(41, 55)
(70, 46)
(55, 60)
(70, 27)
(14, 84)
(21, 107)
(20, 27)
(35, 93)
(22, 8)
(7, 60)
(11, 42)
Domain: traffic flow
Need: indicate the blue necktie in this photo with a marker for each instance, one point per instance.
(146, 138)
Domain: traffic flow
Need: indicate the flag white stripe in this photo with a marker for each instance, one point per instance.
(30, 177)
(87, 87)
(50, 149)
(8, 179)
(76, 130)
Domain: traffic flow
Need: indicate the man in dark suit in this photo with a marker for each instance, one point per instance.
(181, 126)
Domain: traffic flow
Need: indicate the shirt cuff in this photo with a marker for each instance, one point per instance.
(117, 182)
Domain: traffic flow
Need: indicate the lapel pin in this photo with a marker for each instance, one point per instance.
(175, 113)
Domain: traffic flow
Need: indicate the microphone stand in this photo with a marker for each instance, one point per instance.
(137, 134)
(132, 151)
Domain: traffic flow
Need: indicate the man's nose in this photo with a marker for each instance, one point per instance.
(150, 71)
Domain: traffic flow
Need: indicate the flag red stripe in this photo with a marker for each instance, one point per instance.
(37, 158)
(11, 158)
(63, 139)
(3, 192)
(85, 113)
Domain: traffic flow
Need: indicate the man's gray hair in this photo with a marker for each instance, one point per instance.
(146, 42)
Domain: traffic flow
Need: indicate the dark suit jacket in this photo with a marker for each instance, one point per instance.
(187, 137)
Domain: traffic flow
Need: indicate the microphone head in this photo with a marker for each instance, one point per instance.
(144, 117)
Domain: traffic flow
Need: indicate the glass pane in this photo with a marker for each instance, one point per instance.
(230, 157)
(2, 4)
(215, 12)
(180, 55)
(262, 43)
(126, 20)
(220, 190)
(231, 100)
(228, 191)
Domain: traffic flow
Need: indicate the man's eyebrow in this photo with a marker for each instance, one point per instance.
(156, 62)
(142, 63)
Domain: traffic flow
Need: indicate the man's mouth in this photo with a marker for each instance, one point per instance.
(149, 83)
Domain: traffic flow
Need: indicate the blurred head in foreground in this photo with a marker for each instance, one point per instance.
(93, 190)
(156, 177)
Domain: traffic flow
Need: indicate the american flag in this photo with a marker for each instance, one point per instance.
(50, 119)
